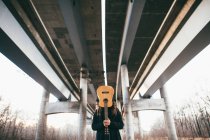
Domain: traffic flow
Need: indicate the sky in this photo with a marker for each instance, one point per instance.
(24, 94)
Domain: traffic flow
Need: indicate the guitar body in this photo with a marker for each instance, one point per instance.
(105, 95)
(105, 92)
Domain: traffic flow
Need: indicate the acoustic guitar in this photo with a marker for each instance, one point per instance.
(105, 94)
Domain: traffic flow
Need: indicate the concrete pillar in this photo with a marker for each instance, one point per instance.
(169, 121)
(139, 122)
(42, 123)
(139, 125)
(83, 104)
(127, 104)
(119, 105)
(120, 109)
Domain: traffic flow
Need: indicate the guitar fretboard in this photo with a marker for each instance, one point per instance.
(105, 110)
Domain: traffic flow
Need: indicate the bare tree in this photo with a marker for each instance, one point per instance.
(191, 120)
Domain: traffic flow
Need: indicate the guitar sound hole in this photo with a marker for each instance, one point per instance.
(105, 92)
(105, 100)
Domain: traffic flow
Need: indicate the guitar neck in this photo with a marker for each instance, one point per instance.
(107, 135)
(105, 111)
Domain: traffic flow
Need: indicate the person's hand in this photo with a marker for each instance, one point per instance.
(107, 123)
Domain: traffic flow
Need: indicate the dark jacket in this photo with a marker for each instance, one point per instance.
(115, 125)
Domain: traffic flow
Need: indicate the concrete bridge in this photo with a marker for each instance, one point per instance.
(71, 47)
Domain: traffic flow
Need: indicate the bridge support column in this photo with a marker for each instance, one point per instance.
(127, 104)
(119, 105)
(139, 122)
(139, 125)
(169, 121)
(42, 123)
(83, 104)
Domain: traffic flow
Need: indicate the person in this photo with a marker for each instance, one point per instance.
(114, 123)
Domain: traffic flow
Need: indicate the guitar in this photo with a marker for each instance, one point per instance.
(105, 94)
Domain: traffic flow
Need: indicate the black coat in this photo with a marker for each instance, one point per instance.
(115, 125)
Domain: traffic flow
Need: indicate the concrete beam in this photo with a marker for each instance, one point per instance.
(72, 19)
(14, 54)
(150, 61)
(34, 34)
(62, 107)
(22, 47)
(144, 67)
(148, 104)
(133, 17)
(191, 39)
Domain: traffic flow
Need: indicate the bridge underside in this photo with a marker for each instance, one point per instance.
(69, 36)
(59, 44)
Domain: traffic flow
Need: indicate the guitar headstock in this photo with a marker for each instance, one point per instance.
(105, 93)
